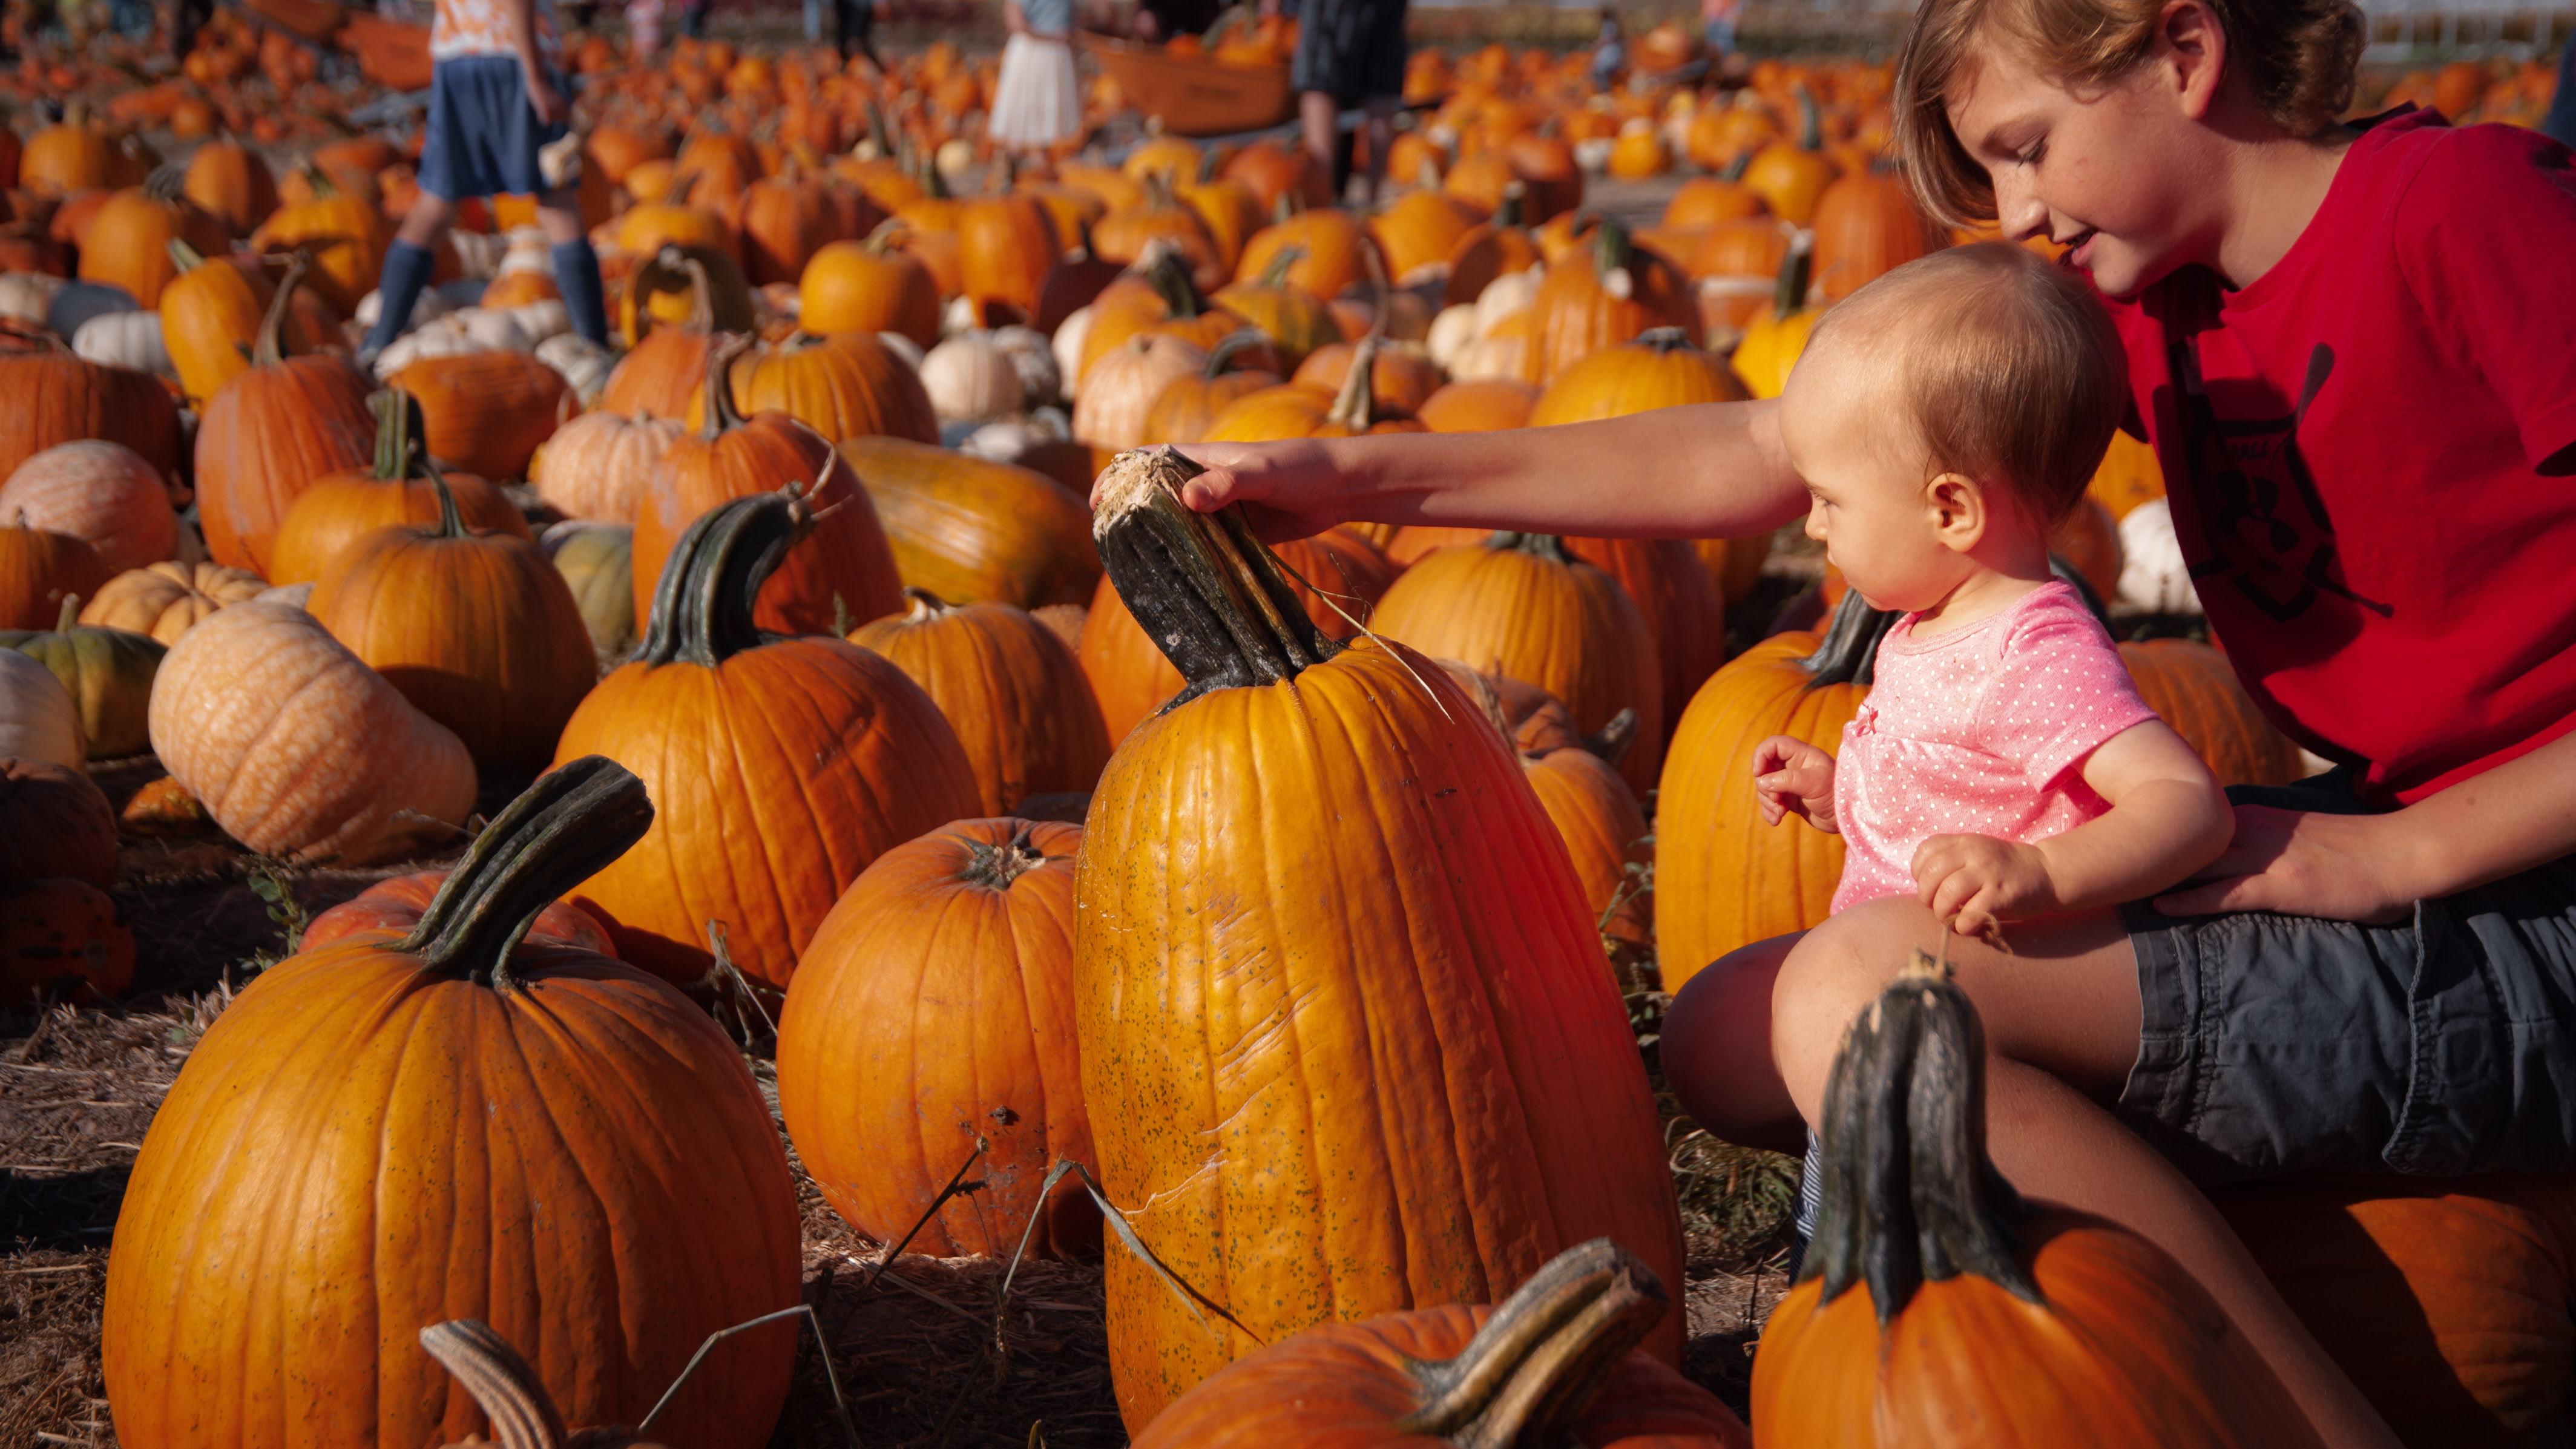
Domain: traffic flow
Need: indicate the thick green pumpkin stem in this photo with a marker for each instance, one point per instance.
(1276, 274)
(451, 524)
(1170, 279)
(561, 831)
(183, 256)
(268, 348)
(1910, 1196)
(1548, 546)
(1848, 654)
(1224, 352)
(702, 606)
(400, 431)
(996, 866)
(720, 414)
(1201, 586)
(1797, 270)
(505, 1388)
(1535, 1366)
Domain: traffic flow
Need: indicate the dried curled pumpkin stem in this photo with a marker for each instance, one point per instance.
(702, 608)
(1910, 1196)
(1534, 1367)
(1207, 593)
(997, 866)
(1353, 406)
(268, 346)
(504, 1387)
(561, 831)
(720, 416)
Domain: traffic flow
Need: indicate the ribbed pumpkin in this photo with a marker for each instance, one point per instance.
(1554, 1364)
(869, 286)
(1160, 221)
(1328, 242)
(346, 236)
(1188, 404)
(970, 529)
(40, 568)
(1934, 1308)
(834, 757)
(597, 561)
(2196, 690)
(474, 627)
(1480, 406)
(1522, 605)
(1459, 1098)
(1119, 388)
(1684, 614)
(268, 433)
(1132, 679)
(1155, 297)
(107, 672)
(55, 397)
(393, 1130)
(298, 748)
(1660, 369)
(337, 510)
(128, 244)
(1723, 879)
(1867, 226)
(210, 321)
(398, 902)
(845, 570)
(779, 222)
(54, 822)
(665, 364)
(1605, 295)
(1011, 689)
(600, 465)
(1296, 320)
(101, 493)
(38, 718)
(846, 386)
(167, 599)
(934, 1010)
(488, 412)
(232, 181)
(1006, 246)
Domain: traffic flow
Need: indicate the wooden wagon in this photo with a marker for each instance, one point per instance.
(1193, 95)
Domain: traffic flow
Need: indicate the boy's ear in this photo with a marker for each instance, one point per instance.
(2192, 46)
(1961, 510)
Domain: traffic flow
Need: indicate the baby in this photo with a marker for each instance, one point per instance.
(1944, 417)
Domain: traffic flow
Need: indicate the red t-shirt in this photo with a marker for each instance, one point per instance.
(2354, 448)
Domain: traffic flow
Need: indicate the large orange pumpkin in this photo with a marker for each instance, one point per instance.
(1011, 689)
(1605, 295)
(1867, 226)
(128, 244)
(393, 1130)
(834, 757)
(1934, 1308)
(488, 412)
(338, 509)
(970, 529)
(1006, 247)
(55, 397)
(2196, 690)
(211, 319)
(869, 286)
(934, 1011)
(1660, 369)
(397, 903)
(849, 385)
(270, 431)
(1297, 1177)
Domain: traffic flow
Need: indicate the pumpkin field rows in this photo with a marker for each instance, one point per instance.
(520, 852)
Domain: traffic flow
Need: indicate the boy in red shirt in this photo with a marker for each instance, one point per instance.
(2366, 413)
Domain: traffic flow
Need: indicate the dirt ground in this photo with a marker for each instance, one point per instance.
(915, 1348)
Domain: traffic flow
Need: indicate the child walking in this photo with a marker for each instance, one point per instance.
(496, 97)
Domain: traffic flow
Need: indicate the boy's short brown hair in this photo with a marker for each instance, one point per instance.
(2008, 367)
(2302, 56)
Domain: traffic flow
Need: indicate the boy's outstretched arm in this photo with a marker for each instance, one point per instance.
(1712, 470)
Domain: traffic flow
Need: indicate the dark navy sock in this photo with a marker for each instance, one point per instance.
(577, 278)
(406, 272)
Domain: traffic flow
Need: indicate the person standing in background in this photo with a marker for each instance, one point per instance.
(852, 21)
(643, 30)
(496, 95)
(1609, 52)
(1717, 27)
(693, 19)
(1037, 101)
(1349, 53)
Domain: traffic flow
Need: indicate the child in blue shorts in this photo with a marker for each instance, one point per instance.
(496, 96)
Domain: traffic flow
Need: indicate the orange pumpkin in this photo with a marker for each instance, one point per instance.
(62, 940)
(211, 317)
(1006, 245)
(1012, 690)
(54, 822)
(849, 385)
(1867, 226)
(345, 235)
(338, 509)
(1608, 296)
(39, 569)
(129, 241)
(55, 397)
(1480, 406)
(1331, 251)
(488, 412)
(869, 286)
(397, 904)
(971, 530)
(1401, 379)
(165, 600)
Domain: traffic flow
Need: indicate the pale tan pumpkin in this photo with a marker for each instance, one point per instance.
(39, 720)
(297, 748)
(600, 465)
(167, 599)
(1120, 388)
(103, 493)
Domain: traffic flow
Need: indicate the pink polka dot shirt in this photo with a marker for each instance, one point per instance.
(1980, 731)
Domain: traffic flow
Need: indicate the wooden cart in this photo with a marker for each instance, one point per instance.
(1195, 96)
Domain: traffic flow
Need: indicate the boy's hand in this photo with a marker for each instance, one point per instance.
(1792, 777)
(1977, 882)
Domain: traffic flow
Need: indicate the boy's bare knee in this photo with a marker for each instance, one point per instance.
(1716, 1046)
(1836, 970)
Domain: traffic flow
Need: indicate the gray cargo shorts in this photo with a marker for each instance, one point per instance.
(2439, 1046)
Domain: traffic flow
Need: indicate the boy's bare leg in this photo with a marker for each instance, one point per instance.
(427, 220)
(2061, 1017)
(1320, 118)
(1716, 1050)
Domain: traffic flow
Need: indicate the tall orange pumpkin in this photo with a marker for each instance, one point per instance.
(847, 570)
(834, 757)
(232, 181)
(393, 1130)
(488, 412)
(1006, 246)
(128, 244)
(211, 316)
(1605, 295)
(1324, 1173)
(1867, 226)
(934, 1011)
(55, 397)
(1010, 688)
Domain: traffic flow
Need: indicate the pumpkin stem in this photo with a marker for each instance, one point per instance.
(719, 414)
(400, 430)
(1535, 1366)
(166, 183)
(1276, 274)
(702, 606)
(1170, 279)
(268, 348)
(1736, 168)
(451, 524)
(1665, 340)
(1204, 589)
(1910, 1196)
(1515, 204)
(1615, 737)
(1811, 122)
(1610, 249)
(561, 831)
(702, 292)
(1548, 546)
(925, 605)
(505, 1388)
(1352, 404)
(1848, 654)
(183, 256)
(996, 866)
(70, 615)
(1796, 268)
(1226, 347)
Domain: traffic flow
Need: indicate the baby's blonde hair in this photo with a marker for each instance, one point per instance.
(2300, 55)
(2007, 367)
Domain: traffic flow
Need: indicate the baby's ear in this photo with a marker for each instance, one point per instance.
(1961, 509)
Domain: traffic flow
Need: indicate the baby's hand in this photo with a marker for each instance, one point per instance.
(1792, 777)
(1977, 882)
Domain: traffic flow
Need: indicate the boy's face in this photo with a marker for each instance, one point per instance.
(1842, 419)
(2118, 173)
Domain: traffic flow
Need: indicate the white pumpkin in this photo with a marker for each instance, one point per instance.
(442, 338)
(428, 307)
(104, 494)
(525, 249)
(584, 363)
(38, 720)
(2153, 576)
(478, 254)
(1505, 295)
(1007, 439)
(28, 296)
(1034, 357)
(970, 378)
(959, 318)
(496, 328)
(1124, 383)
(600, 466)
(293, 596)
(1592, 153)
(1491, 356)
(124, 339)
(1451, 331)
(1067, 344)
(904, 347)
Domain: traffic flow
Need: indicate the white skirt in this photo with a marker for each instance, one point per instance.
(1038, 100)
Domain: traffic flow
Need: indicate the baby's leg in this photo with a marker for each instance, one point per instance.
(2061, 1019)
(1716, 1050)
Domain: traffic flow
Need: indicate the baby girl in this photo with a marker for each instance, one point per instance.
(1944, 417)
